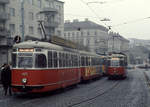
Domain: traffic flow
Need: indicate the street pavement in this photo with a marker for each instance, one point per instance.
(131, 92)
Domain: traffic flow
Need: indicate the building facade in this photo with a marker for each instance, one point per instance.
(117, 43)
(5, 38)
(25, 14)
(21, 17)
(87, 33)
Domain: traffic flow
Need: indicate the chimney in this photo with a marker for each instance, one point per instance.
(75, 20)
(67, 21)
(86, 19)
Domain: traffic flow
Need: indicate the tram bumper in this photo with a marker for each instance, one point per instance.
(24, 88)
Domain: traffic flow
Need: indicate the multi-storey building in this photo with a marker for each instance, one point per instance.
(5, 39)
(117, 43)
(87, 33)
(24, 17)
(21, 17)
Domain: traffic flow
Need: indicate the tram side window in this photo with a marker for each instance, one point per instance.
(122, 63)
(64, 61)
(83, 61)
(89, 61)
(60, 60)
(72, 60)
(67, 60)
(76, 60)
(50, 63)
(40, 61)
(108, 62)
(55, 59)
(14, 60)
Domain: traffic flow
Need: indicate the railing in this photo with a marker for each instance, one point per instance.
(6, 42)
(51, 24)
(4, 32)
(4, 16)
(48, 9)
(4, 1)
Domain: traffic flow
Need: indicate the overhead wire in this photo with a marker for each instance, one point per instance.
(94, 13)
(132, 21)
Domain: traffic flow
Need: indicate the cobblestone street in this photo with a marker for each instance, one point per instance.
(131, 92)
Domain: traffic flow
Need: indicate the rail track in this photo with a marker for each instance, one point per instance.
(147, 79)
(94, 97)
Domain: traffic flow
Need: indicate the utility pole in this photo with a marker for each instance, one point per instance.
(22, 18)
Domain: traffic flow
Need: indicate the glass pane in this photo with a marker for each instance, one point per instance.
(25, 62)
(40, 61)
(13, 60)
(50, 59)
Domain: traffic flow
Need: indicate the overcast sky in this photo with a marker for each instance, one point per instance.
(131, 12)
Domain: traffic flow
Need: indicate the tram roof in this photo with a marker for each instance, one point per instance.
(88, 53)
(38, 44)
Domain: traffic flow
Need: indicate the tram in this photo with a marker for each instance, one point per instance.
(103, 64)
(117, 64)
(42, 66)
(90, 66)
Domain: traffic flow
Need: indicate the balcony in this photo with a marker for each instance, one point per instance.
(4, 1)
(51, 24)
(4, 16)
(49, 10)
(6, 42)
(4, 32)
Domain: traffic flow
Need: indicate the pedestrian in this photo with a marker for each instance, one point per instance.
(6, 78)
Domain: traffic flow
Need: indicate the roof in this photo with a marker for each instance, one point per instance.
(69, 26)
(37, 44)
(44, 45)
(85, 53)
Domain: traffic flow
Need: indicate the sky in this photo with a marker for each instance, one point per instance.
(130, 18)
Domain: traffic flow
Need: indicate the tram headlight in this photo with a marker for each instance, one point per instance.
(24, 80)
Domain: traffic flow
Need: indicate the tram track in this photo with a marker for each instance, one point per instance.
(96, 96)
(147, 79)
(65, 100)
(70, 98)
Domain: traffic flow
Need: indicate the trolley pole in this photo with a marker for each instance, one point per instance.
(22, 18)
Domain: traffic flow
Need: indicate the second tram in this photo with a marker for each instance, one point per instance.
(117, 63)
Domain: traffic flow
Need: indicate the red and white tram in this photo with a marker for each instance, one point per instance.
(90, 65)
(117, 63)
(41, 66)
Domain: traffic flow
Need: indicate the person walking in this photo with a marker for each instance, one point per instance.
(6, 78)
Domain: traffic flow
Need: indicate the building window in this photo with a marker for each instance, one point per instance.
(72, 33)
(68, 33)
(77, 34)
(31, 2)
(82, 33)
(12, 11)
(31, 16)
(59, 32)
(39, 31)
(88, 33)
(31, 31)
(12, 28)
(39, 3)
(95, 32)
(20, 28)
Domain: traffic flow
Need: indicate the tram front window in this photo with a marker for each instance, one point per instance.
(25, 62)
(115, 63)
(40, 61)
